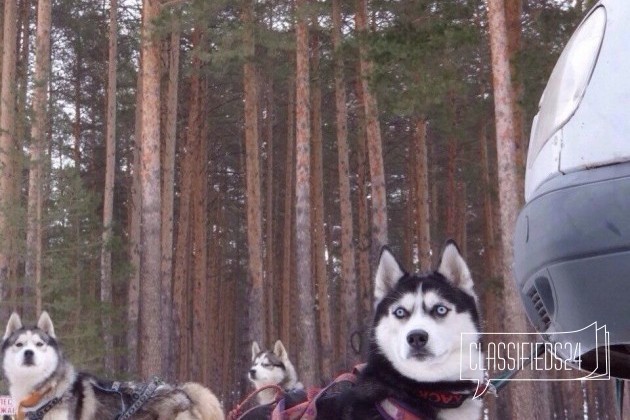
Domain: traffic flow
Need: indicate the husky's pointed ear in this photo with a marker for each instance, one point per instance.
(280, 351)
(454, 268)
(45, 324)
(14, 324)
(388, 273)
(255, 350)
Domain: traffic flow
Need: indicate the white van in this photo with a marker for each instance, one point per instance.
(572, 239)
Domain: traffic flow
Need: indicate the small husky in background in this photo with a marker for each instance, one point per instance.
(272, 368)
(413, 369)
(45, 386)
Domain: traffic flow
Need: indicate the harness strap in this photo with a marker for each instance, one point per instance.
(308, 409)
(115, 389)
(391, 409)
(41, 412)
(32, 399)
(443, 399)
(147, 392)
(238, 413)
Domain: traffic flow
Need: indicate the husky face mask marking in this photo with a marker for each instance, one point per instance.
(268, 368)
(272, 367)
(29, 354)
(419, 319)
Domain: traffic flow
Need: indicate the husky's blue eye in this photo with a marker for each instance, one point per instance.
(400, 313)
(440, 310)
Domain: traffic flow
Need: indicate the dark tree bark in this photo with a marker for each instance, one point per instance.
(423, 216)
(168, 198)
(8, 157)
(380, 235)
(270, 279)
(199, 235)
(32, 262)
(363, 216)
(288, 226)
(108, 200)
(133, 291)
(184, 270)
(349, 314)
(308, 362)
(320, 276)
(522, 396)
(450, 197)
(254, 217)
(150, 251)
(409, 234)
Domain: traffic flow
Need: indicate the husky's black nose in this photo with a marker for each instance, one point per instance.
(252, 373)
(417, 339)
(29, 355)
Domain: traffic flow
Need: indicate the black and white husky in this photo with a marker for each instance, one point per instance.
(272, 367)
(413, 369)
(44, 385)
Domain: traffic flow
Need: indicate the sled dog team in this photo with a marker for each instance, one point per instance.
(412, 370)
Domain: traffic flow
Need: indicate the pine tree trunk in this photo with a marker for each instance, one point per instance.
(254, 217)
(423, 217)
(150, 251)
(488, 204)
(450, 197)
(184, 271)
(27, 291)
(308, 361)
(215, 256)
(522, 395)
(270, 288)
(199, 234)
(363, 216)
(181, 295)
(320, 276)
(409, 234)
(133, 291)
(77, 123)
(374, 142)
(435, 202)
(461, 218)
(108, 199)
(223, 316)
(288, 227)
(491, 287)
(37, 152)
(23, 293)
(168, 201)
(349, 300)
(8, 158)
(513, 11)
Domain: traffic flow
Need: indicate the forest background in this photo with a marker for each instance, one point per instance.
(179, 178)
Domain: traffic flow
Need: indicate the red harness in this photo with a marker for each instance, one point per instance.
(389, 408)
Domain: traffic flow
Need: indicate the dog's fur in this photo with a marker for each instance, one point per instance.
(272, 368)
(415, 342)
(34, 364)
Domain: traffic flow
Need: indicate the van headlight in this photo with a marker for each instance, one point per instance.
(568, 80)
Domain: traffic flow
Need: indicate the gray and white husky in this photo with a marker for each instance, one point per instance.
(44, 385)
(413, 369)
(272, 367)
